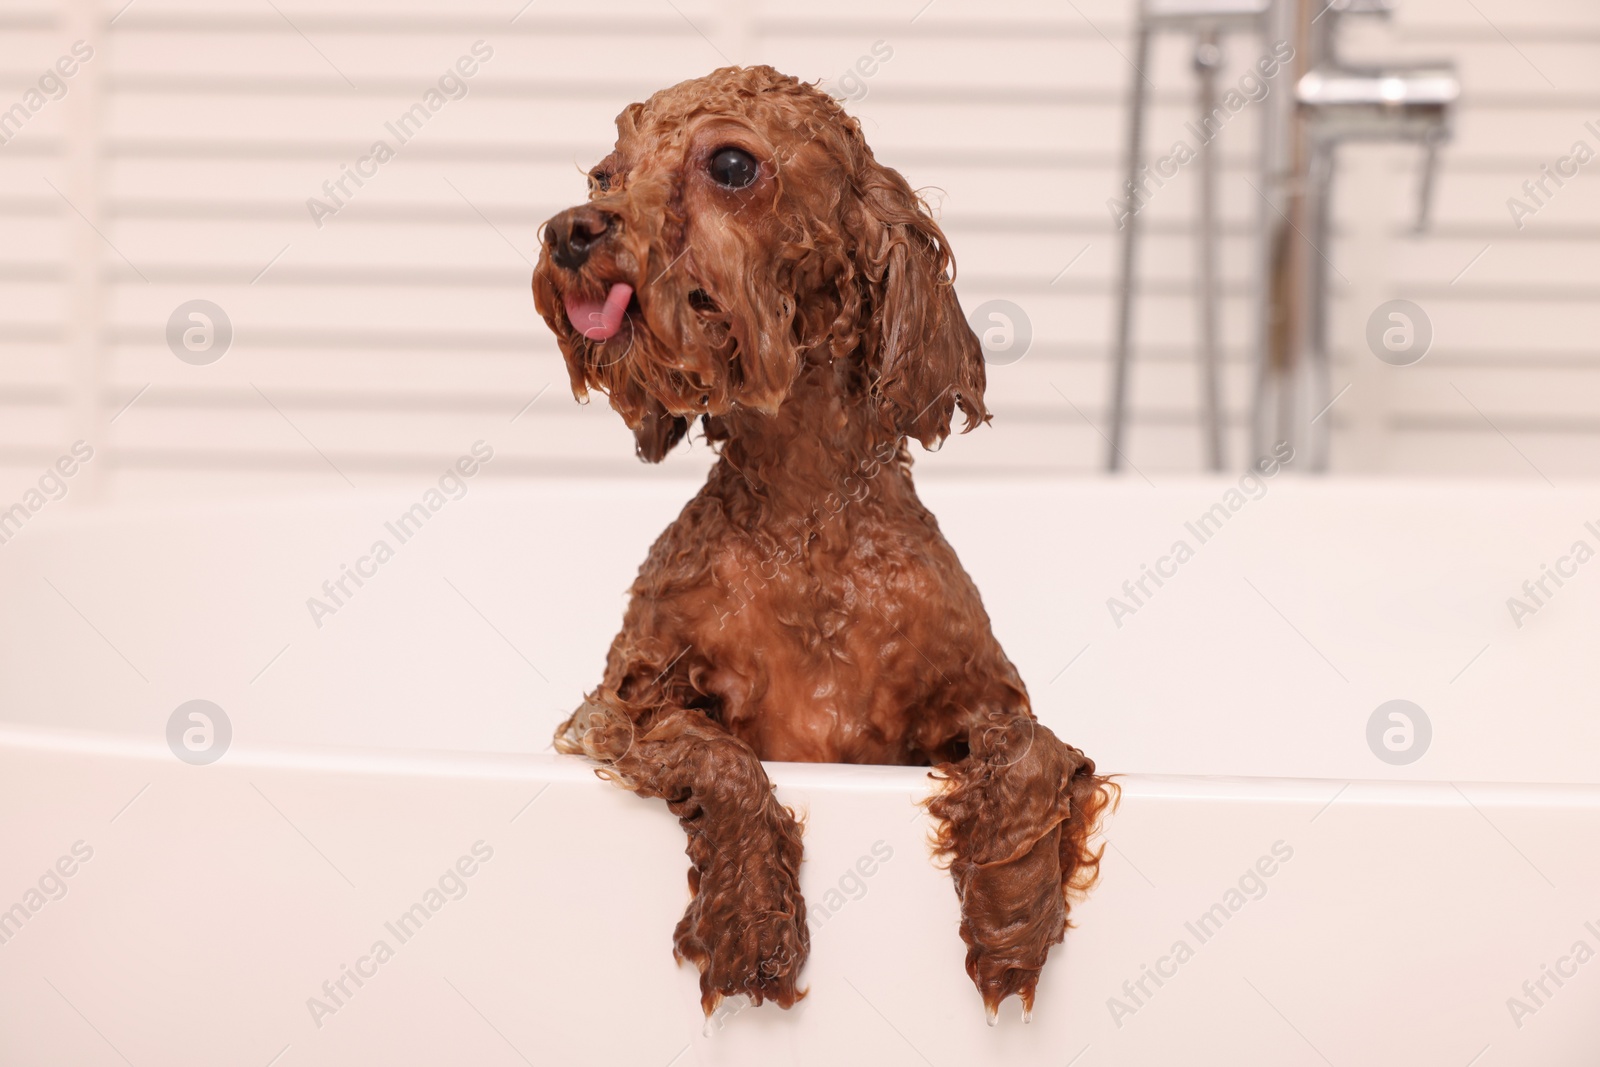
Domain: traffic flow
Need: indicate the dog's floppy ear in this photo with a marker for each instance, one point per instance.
(923, 358)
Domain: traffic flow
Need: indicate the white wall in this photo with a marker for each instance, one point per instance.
(382, 344)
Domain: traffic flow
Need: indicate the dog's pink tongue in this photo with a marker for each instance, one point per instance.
(598, 321)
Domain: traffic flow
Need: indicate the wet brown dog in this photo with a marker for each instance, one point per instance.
(744, 261)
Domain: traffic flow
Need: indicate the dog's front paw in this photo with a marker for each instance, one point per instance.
(747, 934)
(1013, 821)
(1012, 912)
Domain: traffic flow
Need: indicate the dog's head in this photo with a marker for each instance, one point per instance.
(740, 230)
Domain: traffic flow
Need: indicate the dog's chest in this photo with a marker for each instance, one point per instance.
(834, 644)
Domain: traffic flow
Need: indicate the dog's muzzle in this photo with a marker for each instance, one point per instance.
(569, 239)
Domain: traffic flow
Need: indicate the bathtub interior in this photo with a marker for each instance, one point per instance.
(1262, 654)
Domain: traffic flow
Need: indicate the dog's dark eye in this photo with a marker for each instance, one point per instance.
(733, 168)
(600, 180)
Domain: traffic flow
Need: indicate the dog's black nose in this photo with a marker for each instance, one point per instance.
(572, 235)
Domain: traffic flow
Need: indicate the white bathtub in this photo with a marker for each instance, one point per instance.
(1406, 903)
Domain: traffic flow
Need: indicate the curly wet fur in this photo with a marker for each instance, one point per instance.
(1014, 823)
(804, 605)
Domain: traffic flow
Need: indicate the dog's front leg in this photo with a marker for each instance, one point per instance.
(745, 927)
(1016, 815)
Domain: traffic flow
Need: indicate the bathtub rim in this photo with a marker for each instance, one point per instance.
(21, 740)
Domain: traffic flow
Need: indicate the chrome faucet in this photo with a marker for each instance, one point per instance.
(1335, 102)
